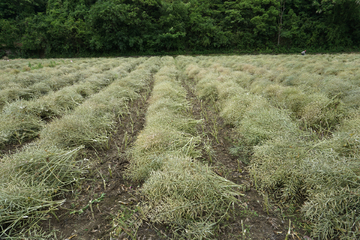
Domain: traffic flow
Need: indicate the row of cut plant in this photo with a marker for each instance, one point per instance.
(180, 192)
(23, 120)
(35, 83)
(319, 100)
(289, 161)
(21, 64)
(33, 177)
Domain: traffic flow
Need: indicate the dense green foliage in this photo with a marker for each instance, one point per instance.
(83, 27)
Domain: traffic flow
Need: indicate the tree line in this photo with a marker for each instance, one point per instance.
(99, 27)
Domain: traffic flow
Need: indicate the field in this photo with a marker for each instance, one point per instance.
(205, 147)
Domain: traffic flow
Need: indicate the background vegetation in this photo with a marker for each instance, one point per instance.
(55, 28)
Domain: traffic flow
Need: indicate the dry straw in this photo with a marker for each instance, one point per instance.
(187, 194)
(92, 122)
(29, 180)
(32, 177)
(35, 83)
(23, 120)
(316, 166)
(180, 191)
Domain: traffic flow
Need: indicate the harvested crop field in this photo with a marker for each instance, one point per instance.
(205, 147)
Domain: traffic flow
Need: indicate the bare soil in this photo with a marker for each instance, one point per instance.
(13, 148)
